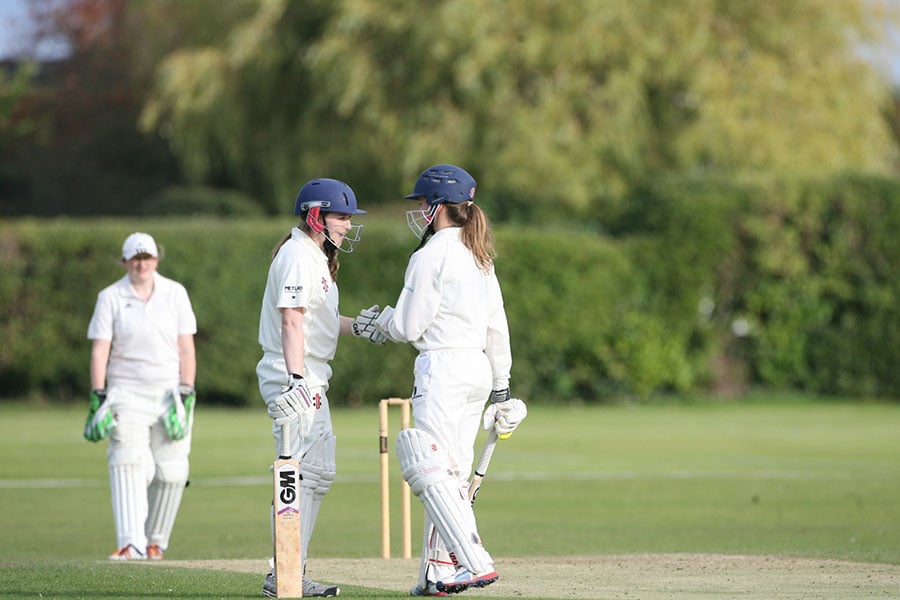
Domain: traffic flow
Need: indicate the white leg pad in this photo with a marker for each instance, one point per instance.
(317, 469)
(426, 468)
(164, 500)
(128, 488)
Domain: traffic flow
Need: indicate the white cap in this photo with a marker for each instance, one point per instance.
(138, 243)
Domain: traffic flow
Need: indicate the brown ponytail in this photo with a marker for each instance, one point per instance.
(476, 231)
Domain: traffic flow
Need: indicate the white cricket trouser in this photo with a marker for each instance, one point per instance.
(450, 391)
(272, 376)
(312, 442)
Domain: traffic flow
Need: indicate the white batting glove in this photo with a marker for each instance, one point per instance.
(364, 325)
(504, 416)
(294, 399)
(381, 322)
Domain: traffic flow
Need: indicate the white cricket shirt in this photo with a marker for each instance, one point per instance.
(299, 278)
(144, 334)
(448, 302)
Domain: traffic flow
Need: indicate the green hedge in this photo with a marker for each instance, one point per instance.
(807, 272)
(577, 308)
(705, 285)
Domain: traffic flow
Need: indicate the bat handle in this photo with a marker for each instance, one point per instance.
(286, 440)
(481, 468)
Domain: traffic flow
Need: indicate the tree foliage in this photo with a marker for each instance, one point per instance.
(74, 143)
(561, 104)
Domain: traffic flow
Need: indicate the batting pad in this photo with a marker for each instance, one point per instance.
(317, 469)
(426, 468)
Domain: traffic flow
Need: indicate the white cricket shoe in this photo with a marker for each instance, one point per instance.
(129, 552)
(463, 579)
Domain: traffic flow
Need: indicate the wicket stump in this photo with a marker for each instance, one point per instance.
(404, 404)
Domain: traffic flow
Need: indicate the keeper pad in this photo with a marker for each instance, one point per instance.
(164, 500)
(128, 488)
(426, 468)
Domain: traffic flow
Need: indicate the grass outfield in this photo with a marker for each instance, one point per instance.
(792, 479)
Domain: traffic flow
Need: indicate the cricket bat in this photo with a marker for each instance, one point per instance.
(481, 468)
(286, 503)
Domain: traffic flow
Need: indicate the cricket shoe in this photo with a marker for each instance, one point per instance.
(154, 552)
(430, 589)
(463, 579)
(311, 589)
(269, 589)
(129, 552)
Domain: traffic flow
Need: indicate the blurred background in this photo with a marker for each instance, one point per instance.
(691, 197)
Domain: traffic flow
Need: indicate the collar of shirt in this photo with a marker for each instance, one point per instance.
(303, 238)
(125, 289)
(447, 232)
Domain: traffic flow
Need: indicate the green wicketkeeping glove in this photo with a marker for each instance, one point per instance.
(100, 420)
(180, 417)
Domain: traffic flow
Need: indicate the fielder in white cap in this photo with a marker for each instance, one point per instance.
(139, 243)
(143, 367)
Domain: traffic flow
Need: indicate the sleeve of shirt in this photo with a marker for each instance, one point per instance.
(419, 300)
(497, 345)
(101, 325)
(294, 282)
(187, 321)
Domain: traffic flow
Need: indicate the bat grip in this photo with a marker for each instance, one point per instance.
(481, 468)
(286, 440)
(487, 453)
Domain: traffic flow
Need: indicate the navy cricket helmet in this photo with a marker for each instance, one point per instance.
(325, 195)
(330, 195)
(444, 183)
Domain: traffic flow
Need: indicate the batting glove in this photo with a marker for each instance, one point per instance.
(364, 325)
(100, 420)
(294, 398)
(382, 323)
(504, 416)
(180, 417)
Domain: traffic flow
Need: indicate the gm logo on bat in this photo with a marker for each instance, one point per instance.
(288, 499)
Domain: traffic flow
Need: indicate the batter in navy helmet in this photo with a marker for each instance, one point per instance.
(451, 310)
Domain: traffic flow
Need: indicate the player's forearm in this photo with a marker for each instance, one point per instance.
(346, 325)
(99, 359)
(187, 360)
(499, 354)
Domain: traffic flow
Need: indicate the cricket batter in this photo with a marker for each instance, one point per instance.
(451, 310)
(142, 380)
(299, 325)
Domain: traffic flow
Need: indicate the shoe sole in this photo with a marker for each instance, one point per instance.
(331, 592)
(420, 593)
(457, 587)
(125, 554)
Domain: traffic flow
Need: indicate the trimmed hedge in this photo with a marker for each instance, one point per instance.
(576, 307)
(802, 276)
(705, 285)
